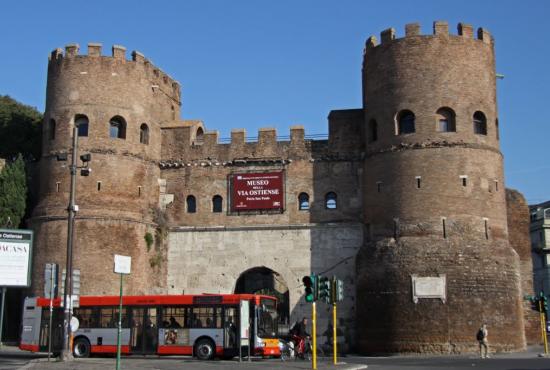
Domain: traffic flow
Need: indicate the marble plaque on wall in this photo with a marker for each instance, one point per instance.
(429, 287)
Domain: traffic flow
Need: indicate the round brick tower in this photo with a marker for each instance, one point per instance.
(123, 103)
(436, 263)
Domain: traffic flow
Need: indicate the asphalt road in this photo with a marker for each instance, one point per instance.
(12, 360)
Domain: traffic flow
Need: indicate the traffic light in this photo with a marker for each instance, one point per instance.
(324, 289)
(544, 300)
(339, 290)
(310, 283)
(535, 303)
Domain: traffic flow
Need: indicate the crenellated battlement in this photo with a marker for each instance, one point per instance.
(189, 140)
(159, 78)
(440, 29)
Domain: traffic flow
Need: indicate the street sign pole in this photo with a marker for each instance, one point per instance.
(123, 266)
(52, 289)
(119, 326)
(314, 335)
(4, 289)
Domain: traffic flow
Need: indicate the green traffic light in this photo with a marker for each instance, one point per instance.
(310, 288)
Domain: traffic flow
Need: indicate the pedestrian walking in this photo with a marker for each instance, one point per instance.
(481, 337)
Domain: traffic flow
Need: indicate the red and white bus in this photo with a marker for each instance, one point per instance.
(204, 326)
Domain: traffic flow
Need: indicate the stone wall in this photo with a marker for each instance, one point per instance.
(520, 240)
(211, 259)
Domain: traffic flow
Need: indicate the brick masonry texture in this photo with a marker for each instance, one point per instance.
(404, 206)
(518, 230)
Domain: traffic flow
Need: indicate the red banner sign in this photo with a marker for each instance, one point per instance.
(256, 191)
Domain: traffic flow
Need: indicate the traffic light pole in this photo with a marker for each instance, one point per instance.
(543, 328)
(334, 331)
(314, 335)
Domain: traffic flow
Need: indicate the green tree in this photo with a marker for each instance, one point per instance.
(13, 193)
(20, 130)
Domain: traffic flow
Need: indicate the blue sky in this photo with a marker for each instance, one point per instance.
(253, 64)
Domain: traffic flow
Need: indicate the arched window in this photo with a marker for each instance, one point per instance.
(303, 202)
(405, 122)
(217, 203)
(330, 200)
(51, 130)
(373, 131)
(144, 134)
(117, 128)
(480, 123)
(81, 121)
(191, 204)
(446, 120)
(199, 137)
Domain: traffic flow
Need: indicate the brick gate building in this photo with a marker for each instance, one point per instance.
(405, 200)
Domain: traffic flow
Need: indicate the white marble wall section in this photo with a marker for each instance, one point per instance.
(210, 260)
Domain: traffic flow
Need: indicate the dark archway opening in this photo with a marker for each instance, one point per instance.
(262, 280)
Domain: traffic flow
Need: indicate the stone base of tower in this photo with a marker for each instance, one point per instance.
(482, 285)
(96, 243)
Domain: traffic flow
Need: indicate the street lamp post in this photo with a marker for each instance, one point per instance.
(66, 353)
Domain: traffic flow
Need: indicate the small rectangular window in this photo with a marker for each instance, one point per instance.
(368, 232)
(395, 228)
(99, 186)
(464, 180)
(418, 181)
(496, 185)
(57, 186)
(379, 186)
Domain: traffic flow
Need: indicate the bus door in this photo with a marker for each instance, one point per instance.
(230, 332)
(144, 330)
(57, 329)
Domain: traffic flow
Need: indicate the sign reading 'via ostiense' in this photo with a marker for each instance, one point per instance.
(257, 191)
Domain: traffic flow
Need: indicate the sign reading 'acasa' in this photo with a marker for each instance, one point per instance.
(257, 191)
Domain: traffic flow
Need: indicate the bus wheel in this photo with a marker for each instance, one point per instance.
(81, 348)
(204, 349)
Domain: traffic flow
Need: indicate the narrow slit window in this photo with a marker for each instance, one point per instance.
(368, 232)
(486, 223)
(379, 186)
(139, 191)
(57, 187)
(395, 228)
(191, 204)
(51, 130)
(418, 182)
(330, 200)
(444, 227)
(81, 121)
(464, 180)
(217, 204)
(496, 185)
(303, 202)
(99, 186)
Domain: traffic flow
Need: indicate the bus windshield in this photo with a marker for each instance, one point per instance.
(267, 319)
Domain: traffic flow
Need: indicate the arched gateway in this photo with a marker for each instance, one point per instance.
(262, 280)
